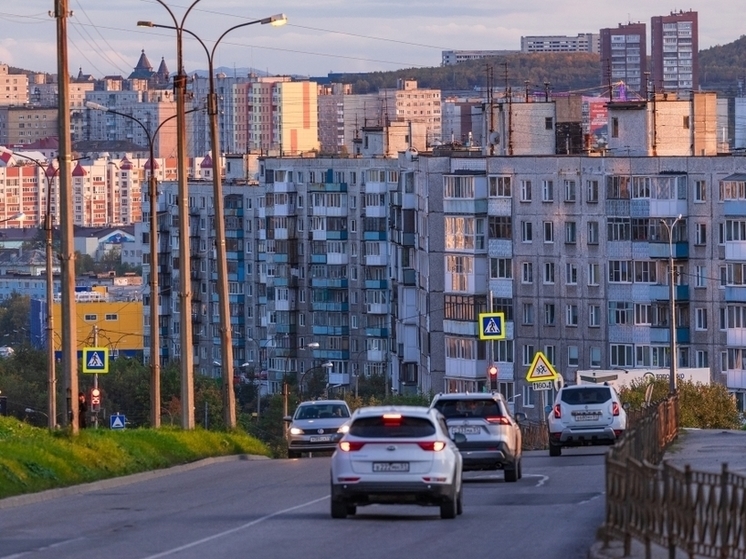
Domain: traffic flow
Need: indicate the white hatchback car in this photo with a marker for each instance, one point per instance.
(396, 455)
(585, 415)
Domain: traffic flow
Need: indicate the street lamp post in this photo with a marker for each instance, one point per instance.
(672, 305)
(226, 347)
(327, 365)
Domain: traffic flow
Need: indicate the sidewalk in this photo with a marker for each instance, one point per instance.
(703, 450)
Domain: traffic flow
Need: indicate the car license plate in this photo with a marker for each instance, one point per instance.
(390, 466)
(466, 430)
(324, 439)
(586, 416)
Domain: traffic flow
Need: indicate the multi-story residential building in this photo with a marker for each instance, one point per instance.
(410, 103)
(583, 42)
(453, 57)
(674, 45)
(624, 57)
(26, 124)
(343, 114)
(13, 87)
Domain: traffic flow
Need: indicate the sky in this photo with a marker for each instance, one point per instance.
(321, 36)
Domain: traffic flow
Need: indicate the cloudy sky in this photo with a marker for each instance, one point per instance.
(321, 36)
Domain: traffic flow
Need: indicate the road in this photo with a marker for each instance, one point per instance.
(276, 509)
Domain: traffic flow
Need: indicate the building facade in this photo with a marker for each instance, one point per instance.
(583, 42)
(13, 87)
(674, 45)
(624, 57)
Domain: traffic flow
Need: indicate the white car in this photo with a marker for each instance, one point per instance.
(585, 415)
(396, 455)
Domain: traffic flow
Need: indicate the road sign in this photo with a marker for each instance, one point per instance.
(492, 326)
(117, 421)
(95, 359)
(542, 385)
(541, 369)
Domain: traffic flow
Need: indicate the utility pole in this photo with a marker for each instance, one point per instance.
(67, 257)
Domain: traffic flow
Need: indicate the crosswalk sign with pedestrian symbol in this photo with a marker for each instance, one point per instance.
(492, 326)
(95, 359)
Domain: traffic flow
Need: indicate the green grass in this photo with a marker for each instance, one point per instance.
(33, 459)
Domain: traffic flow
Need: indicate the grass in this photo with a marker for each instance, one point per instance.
(33, 459)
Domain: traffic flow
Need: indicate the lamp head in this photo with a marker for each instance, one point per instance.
(96, 106)
(276, 20)
(145, 24)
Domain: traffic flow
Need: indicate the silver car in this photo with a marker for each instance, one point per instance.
(316, 426)
(492, 437)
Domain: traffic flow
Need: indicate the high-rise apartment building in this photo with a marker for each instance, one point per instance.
(674, 42)
(624, 57)
(13, 87)
(583, 42)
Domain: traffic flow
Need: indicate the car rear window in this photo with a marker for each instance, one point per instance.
(471, 407)
(380, 427)
(321, 411)
(586, 395)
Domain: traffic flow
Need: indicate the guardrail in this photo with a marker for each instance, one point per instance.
(700, 513)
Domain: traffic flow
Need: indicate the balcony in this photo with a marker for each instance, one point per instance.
(376, 284)
(736, 379)
(735, 294)
(662, 335)
(329, 283)
(660, 292)
(662, 250)
(374, 235)
(318, 259)
(377, 332)
(336, 235)
(331, 330)
(328, 306)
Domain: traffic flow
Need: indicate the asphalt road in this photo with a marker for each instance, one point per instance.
(273, 509)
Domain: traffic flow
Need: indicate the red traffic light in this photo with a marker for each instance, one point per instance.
(95, 397)
(492, 370)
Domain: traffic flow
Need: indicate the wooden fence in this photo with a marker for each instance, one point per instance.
(700, 513)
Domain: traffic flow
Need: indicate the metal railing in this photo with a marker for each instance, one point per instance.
(535, 435)
(699, 513)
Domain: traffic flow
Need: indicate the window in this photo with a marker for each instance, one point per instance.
(525, 191)
(548, 232)
(571, 273)
(549, 314)
(700, 276)
(618, 229)
(594, 273)
(700, 316)
(458, 186)
(620, 271)
(548, 123)
(572, 356)
(595, 355)
(593, 232)
(700, 191)
(701, 360)
(620, 312)
(643, 314)
(503, 351)
(464, 233)
(571, 233)
(111, 317)
(645, 272)
(460, 268)
(700, 234)
(90, 318)
(527, 354)
(500, 187)
(501, 268)
(594, 316)
(528, 395)
(528, 313)
(591, 191)
(500, 227)
(527, 234)
(570, 191)
(550, 353)
(614, 127)
(549, 272)
(547, 191)
(621, 355)
(571, 315)
(527, 272)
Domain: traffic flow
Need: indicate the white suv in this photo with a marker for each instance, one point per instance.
(584, 415)
(396, 455)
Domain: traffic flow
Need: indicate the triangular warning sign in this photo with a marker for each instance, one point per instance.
(117, 423)
(491, 327)
(95, 361)
(541, 369)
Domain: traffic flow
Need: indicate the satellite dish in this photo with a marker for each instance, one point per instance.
(494, 137)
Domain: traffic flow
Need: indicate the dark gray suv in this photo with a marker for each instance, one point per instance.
(492, 436)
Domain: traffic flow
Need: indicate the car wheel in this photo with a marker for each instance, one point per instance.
(460, 502)
(511, 474)
(555, 450)
(339, 509)
(293, 454)
(449, 507)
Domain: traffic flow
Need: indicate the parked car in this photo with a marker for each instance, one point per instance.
(584, 415)
(315, 426)
(396, 455)
(492, 437)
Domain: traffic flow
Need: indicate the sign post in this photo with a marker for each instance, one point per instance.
(541, 375)
(95, 361)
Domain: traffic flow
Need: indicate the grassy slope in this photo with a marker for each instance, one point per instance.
(32, 459)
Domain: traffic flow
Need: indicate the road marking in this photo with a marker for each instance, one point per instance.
(541, 481)
(233, 530)
(591, 499)
(43, 548)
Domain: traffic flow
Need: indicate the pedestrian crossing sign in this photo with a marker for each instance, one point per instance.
(492, 326)
(95, 359)
(117, 421)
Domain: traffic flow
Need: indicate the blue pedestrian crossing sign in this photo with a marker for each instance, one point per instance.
(95, 359)
(492, 326)
(117, 421)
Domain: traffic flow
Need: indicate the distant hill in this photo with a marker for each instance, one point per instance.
(722, 66)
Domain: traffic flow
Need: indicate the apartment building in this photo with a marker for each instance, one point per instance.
(453, 57)
(409, 103)
(583, 42)
(26, 124)
(674, 43)
(13, 87)
(624, 57)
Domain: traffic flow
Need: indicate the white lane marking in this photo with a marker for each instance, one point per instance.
(233, 530)
(543, 479)
(44, 548)
(591, 499)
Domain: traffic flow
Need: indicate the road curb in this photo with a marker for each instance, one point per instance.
(30, 498)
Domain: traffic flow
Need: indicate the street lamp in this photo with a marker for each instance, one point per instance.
(672, 305)
(229, 404)
(327, 365)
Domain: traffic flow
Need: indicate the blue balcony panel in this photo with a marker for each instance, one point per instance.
(662, 250)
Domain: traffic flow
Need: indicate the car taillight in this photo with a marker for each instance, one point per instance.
(435, 446)
(557, 411)
(615, 408)
(502, 420)
(350, 446)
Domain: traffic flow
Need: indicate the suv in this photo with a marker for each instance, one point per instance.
(396, 455)
(585, 415)
(315, 426)
(491, 437)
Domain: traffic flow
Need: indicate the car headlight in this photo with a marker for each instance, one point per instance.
(343, 429)
(296, 431)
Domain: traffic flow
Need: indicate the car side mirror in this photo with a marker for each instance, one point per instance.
(287, 419)
(459, 438)
(520, 416)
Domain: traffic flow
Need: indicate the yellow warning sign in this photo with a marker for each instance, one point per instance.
(541, 369)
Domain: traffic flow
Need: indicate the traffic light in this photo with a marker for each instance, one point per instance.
(95, 399)
(492, 370)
